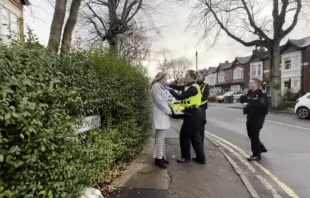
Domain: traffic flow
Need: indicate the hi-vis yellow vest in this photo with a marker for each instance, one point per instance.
(202, 90)
(193, 101)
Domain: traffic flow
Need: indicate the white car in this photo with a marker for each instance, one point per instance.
(302, 107)
(221, 98)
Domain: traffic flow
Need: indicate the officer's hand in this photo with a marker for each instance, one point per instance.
(245, 104)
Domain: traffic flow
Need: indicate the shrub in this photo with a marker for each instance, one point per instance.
(42, 95)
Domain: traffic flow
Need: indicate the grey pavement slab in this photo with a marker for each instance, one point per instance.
(216, 179)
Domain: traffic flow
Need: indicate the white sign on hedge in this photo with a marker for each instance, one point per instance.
(88, 123)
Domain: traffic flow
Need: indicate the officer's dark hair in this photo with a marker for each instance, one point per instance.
(192, 73)
(257, 81)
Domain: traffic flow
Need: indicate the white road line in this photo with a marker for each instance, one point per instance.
(242, 159)
(264, 182)
(289, 125)
(284, 187)
(268, 186)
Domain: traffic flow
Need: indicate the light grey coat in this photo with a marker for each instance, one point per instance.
(161, 109)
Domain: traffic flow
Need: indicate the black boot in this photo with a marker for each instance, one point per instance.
(254, 158)
(182, 160)
(160, 163)
(165, 161)
(195, 159)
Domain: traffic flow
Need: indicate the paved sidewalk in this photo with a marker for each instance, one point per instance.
(217, 179)
(239, 106)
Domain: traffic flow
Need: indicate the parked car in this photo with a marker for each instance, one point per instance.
(221, 98)
(212, 96)
(302, 107)
(237, 95)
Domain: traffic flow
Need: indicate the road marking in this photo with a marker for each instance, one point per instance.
(264, 182)
(246, 163)
(289, 125)
(239, 172)
(284, 187)
(268, 186)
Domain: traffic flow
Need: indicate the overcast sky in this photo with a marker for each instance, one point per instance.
(173, 21)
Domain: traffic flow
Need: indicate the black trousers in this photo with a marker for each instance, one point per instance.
(204, 122)
(191, 133)
(254, 125)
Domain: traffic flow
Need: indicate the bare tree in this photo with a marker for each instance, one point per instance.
(135, 45)
(164, 57)
(112, 18)
(174, 67)
(248, 22)
(57, 25)
(70, 24)
(57, 35)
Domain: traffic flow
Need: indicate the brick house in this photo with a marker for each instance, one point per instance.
(224, 77)
(295, 58)
(240, 71)
(12, 19)
(256, 66)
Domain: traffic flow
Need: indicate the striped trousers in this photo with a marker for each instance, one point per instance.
(160, 135)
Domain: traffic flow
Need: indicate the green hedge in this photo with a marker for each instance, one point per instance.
(42, 95)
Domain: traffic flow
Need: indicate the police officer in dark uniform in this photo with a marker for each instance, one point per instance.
(190, 130)
(255, 104)
(205, 91)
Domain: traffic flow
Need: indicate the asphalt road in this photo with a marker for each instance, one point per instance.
(286, 137)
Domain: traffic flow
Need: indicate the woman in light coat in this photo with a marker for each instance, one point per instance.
(161, 120)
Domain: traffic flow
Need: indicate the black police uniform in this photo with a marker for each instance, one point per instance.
(256, 112)
(190, 130)
(204, 107)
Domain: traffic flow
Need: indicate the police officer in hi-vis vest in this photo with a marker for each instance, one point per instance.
(193, 118)
(205, 90)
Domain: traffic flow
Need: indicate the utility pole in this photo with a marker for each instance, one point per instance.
(196, 61)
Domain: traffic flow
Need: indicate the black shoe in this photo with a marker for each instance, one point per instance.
(264, 151)
(199, 161)
(254, 158)
(165, 161)
(160, 163)
(182, 160)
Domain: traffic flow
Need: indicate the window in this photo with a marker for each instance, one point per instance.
(259, 70)
(287, 64)
(235, 88)
(14, 26)
(253, 69)
(5, 21)
(308, 97)
(9, 23)
(238, 73)
(221, 76)
(256, 70)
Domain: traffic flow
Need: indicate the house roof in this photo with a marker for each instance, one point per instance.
(226, 65)
(304, 42)
(243, 60)
(212, 70)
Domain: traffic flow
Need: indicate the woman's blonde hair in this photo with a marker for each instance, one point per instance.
(159, 76)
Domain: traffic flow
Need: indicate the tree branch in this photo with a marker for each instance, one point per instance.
(252, 22)
(248, 44)
(295, 20)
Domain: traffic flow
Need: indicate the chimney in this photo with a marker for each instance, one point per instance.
(261, 49)
(227, 62)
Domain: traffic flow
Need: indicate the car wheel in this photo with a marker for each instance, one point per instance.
(303, 112)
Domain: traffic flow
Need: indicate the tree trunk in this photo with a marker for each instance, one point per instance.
(275, 75)
(114, 45)
(69, 27)
(57, 24)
